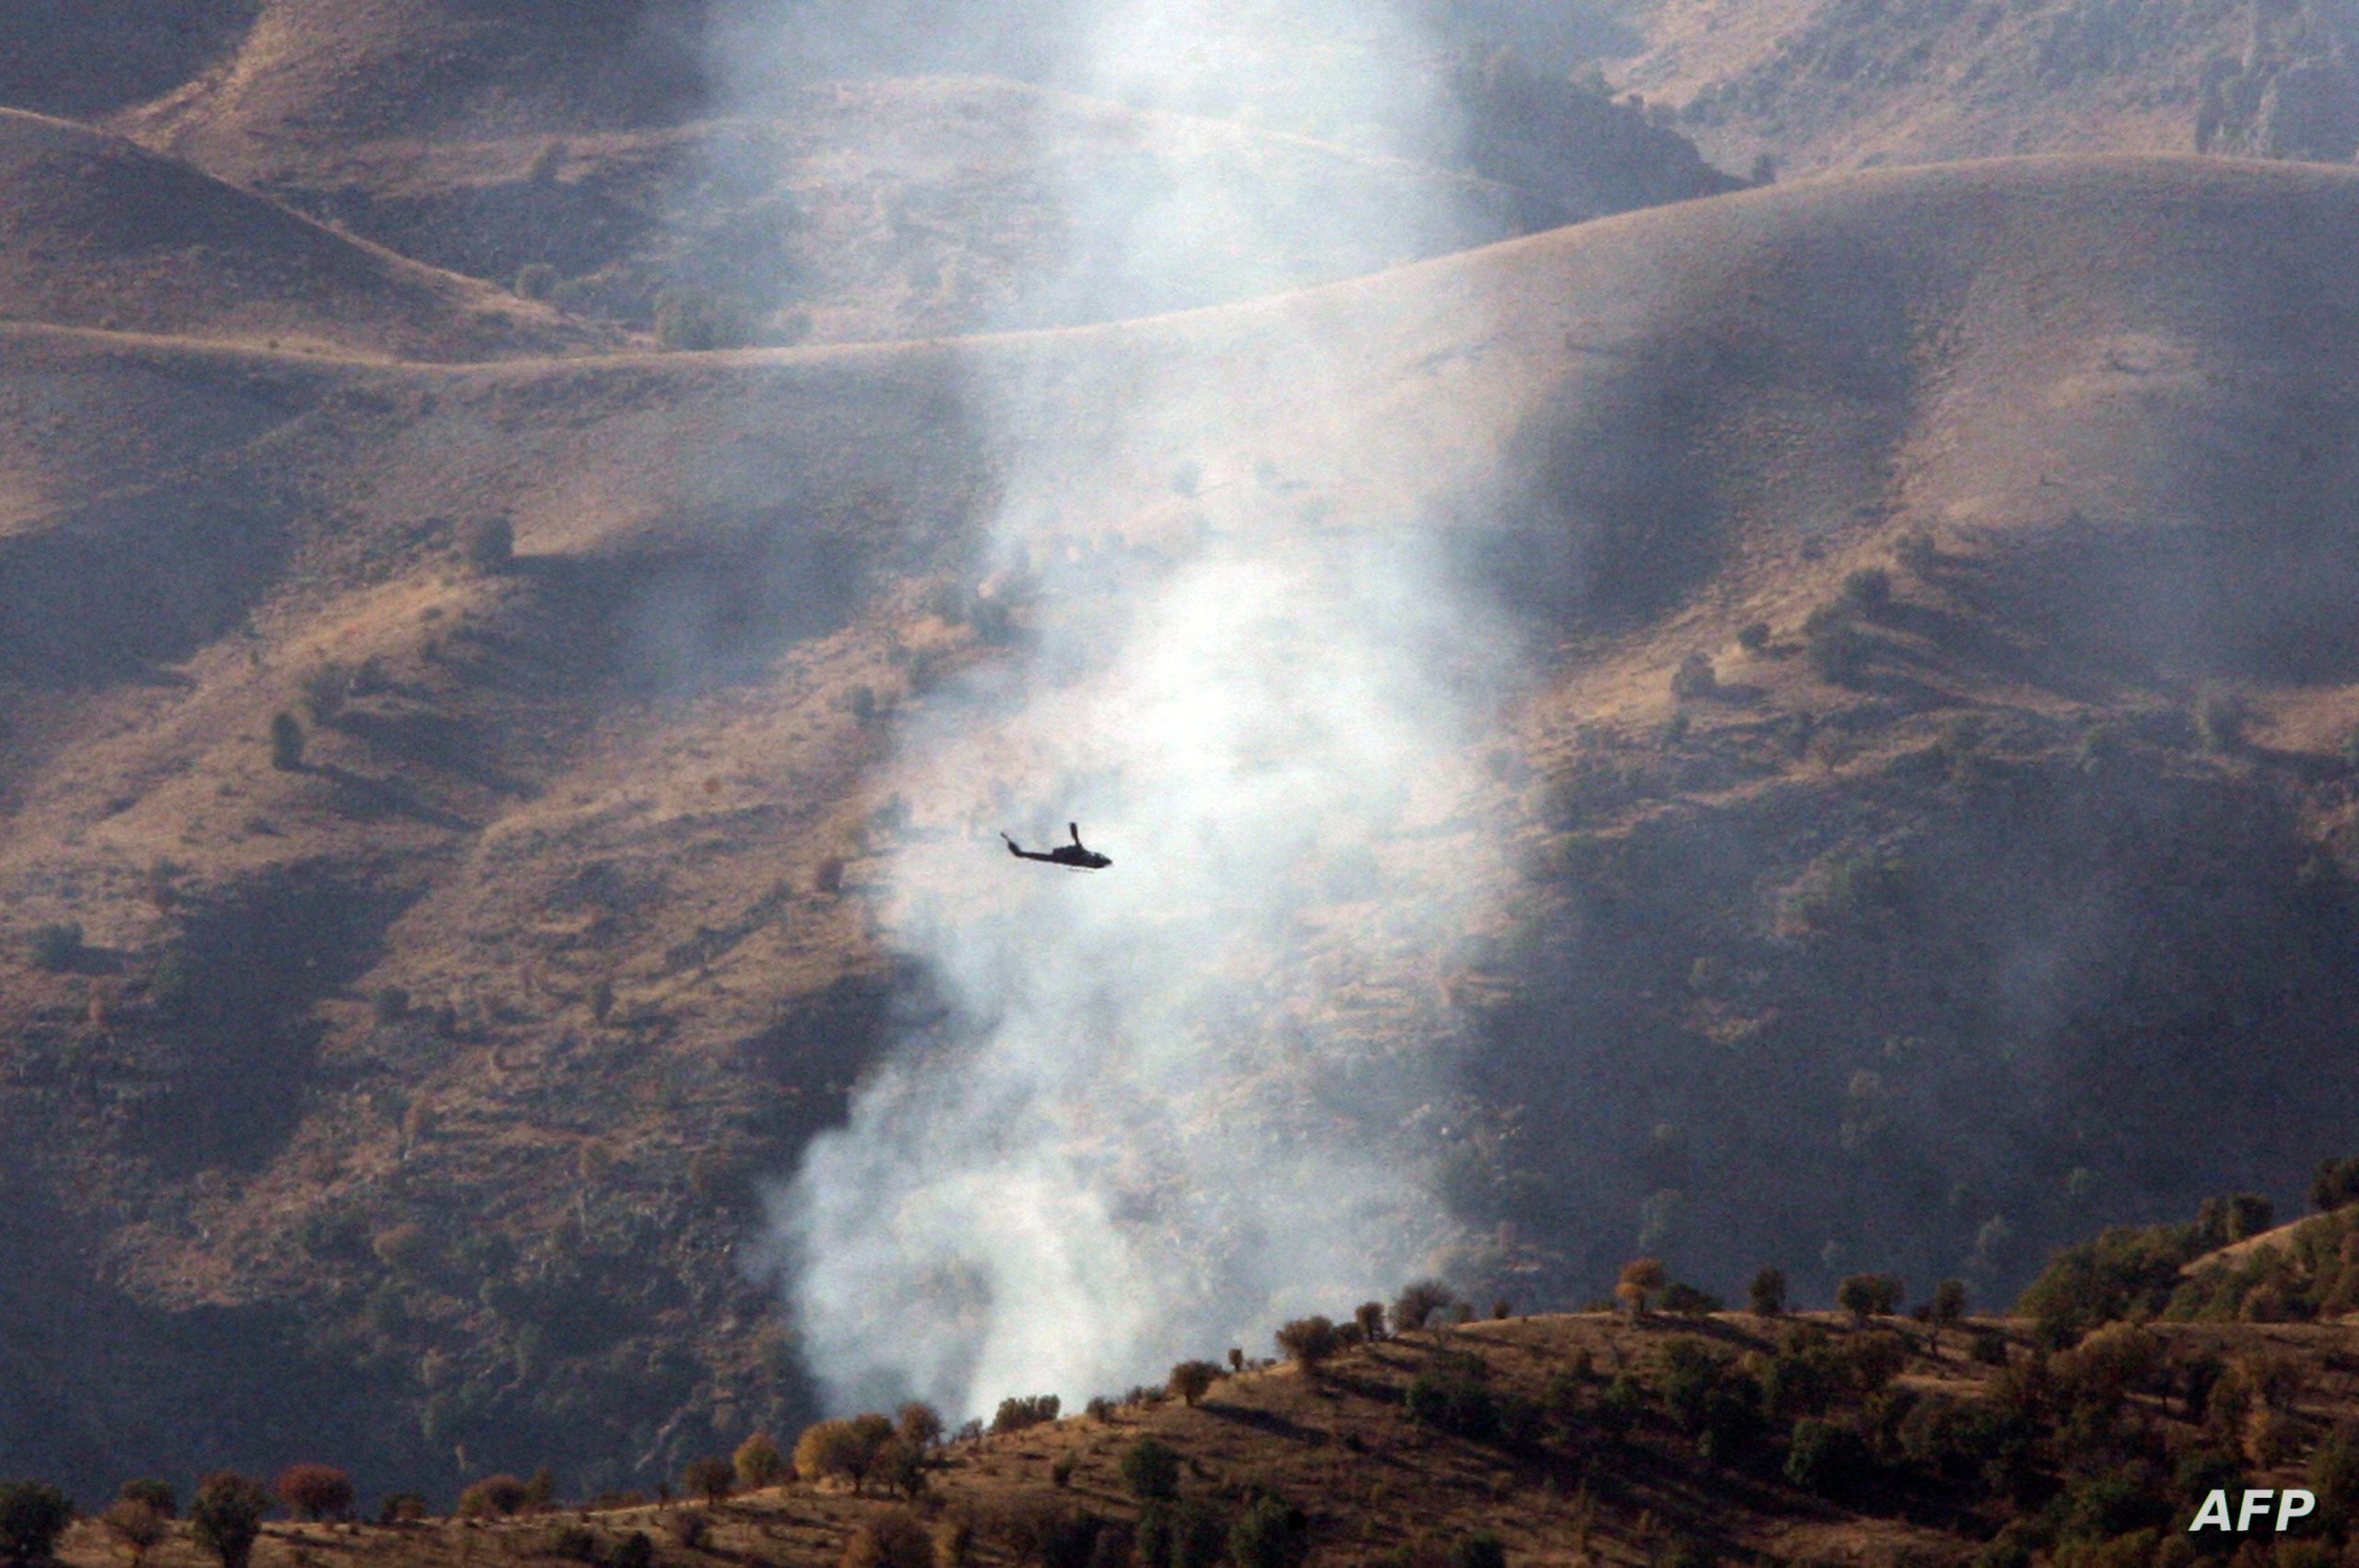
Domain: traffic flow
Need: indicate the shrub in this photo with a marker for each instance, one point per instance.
(1270, 1534)
(634, 1550)
(225, 1517)
(860, 702)
(890, 1541)
(154, 1492)
(1916, 552)
(2334, 1473)
(1308, 1341)
(1687, 1301)
(1869, 1295)
(1827, 1459)
(1192, 1380)
(1753, 636)
(325, 691)
(1767, 1295)
(535, 280)
(390, 1004)
(1015, 1414)
(1948, 1306)
(1061, 1469)
(31, 1518)
(1694, 678)
(1866, 591)
(286, 742)
(688, 1526)
(1151, 1470)
(2335, 1183)
(602, 1000)
(1186, 1534)
(404, 1248)
(401, 1507)
(1418, 1301)
(316, 1491)
(138, 1524)
(496, 1494)
(488, 544)
(712, 1478)
(56, 945)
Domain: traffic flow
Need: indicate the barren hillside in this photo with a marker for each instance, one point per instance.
(438, 1068)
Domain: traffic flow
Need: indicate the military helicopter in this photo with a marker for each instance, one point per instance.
(1073, 855)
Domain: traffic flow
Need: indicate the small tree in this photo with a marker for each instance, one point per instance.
(1192, 1380)
(758, 1463)
(1767, 1295)
(1369, 1316)
(316, 1491)
(1151, 1470)
(1948, 1306)
(712, 1478)
(832, 1449)
(1308, 1341)
(1642, 1279)
(1869, 1295)
(154, 1492)
(1419, 1301)
(285, 741)
(31, 1518)
(1826, 1459)
(917, 1425)
(2335, 1183)
(227, 1516)
(1753, 636)
(138, 1524)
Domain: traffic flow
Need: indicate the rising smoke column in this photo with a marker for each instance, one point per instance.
(1148, 1126)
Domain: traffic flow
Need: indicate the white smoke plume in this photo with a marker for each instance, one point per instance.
(1164, 1108)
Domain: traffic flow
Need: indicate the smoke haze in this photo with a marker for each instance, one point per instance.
(1142, 1125)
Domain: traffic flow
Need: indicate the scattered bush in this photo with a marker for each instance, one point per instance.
(316, 1491)
(286, 742)
(31, 1518)
(1015, 1414)
(55, 945)
(1192, 1380)
(1151, 1470)
(225, 1517)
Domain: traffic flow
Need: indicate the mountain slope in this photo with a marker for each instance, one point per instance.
(98, 232)
(443, 1069)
